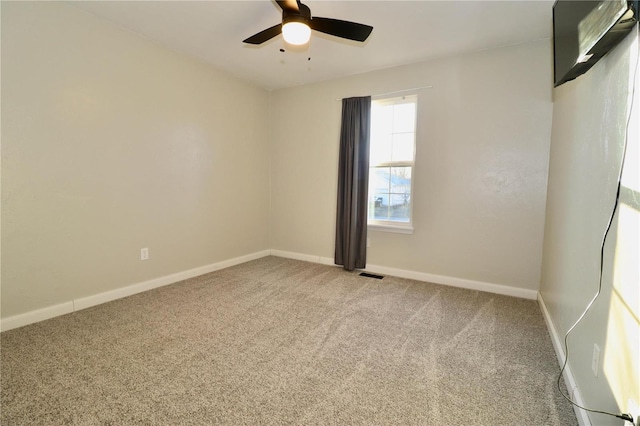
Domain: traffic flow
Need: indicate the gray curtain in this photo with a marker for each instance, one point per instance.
(353, 182)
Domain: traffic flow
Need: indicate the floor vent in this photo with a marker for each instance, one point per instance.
(377, 277)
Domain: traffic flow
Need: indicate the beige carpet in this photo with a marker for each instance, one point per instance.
(279, 341)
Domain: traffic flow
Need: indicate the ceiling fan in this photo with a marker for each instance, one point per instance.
(297, 24)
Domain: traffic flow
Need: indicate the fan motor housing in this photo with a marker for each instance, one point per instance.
(303, 15)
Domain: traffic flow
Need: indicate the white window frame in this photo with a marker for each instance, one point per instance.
(388, 225)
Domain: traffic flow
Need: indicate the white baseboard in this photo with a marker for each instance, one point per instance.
(328, 261)
(36, 316)
(305, 257)
(422, 276)
(97, 299)
(572, 387)
(108, 296)
(455, 282)
(296, 256)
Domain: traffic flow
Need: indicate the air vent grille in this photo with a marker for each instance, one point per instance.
(377, 277)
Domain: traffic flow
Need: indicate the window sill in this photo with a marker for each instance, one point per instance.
(398, 229)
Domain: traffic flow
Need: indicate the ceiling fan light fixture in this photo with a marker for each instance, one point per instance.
(296, 26)
(296, 33)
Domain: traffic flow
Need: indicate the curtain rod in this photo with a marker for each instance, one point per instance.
(394, 92)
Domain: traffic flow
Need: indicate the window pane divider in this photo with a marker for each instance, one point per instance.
(393, 164)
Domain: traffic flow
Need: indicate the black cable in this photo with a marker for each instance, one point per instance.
(622, 416)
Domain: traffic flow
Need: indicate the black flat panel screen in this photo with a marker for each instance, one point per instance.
(584, 31)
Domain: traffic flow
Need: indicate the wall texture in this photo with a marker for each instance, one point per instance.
(481, 165)
(589, 125)
(111, 143)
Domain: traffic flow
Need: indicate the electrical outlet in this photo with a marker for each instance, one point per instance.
(144, 253)
(572, 393)
(634, 409)
(595, 360)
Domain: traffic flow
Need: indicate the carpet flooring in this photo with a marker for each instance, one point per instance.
(280, 341)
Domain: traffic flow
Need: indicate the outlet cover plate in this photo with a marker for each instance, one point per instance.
(634, 409)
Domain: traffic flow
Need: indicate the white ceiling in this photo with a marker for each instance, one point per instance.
(403, 32)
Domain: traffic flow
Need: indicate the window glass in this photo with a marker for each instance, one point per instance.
(392, 150)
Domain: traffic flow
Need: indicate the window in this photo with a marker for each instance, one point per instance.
(391, 162)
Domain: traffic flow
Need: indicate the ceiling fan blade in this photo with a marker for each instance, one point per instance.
(264, 35)
(340, 28)
(289, 5)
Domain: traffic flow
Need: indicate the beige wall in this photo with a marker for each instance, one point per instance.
(589, 124)
(111, 143)
(481, 165)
